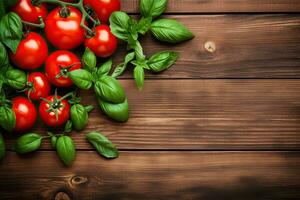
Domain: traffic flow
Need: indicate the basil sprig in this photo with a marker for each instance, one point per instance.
(79, 116)
(28, 143)
(11, 30)
(2, 147)
(66, 150)
(128, 29)
(103, 145)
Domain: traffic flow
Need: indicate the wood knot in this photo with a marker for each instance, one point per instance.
(77, 180)
(210, 46)
(62, 196)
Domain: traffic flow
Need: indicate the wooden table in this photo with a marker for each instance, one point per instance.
(223, 123)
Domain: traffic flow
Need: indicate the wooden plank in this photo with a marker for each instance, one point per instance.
(221, 6)
(202, 114)
(233, 46)
(153, 175)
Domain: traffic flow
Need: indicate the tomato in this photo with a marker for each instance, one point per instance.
(104, 43)
(57, 66)
(25, 112)
(29, 12)
(54, 111)
(31, 52)
(104, 8)
(38, 86)
(64, 32)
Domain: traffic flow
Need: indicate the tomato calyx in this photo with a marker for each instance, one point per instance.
(64, 12)
(56, 104)
(65, 70)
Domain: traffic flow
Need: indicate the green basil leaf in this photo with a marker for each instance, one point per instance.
(9, 3)
(118, 112)
(2, 147)
(139, 76)
(170, 30)
(144, 25)
(138, 49)
(105, 68)
(103, 145)
(28, 143)
(89, 108)
(81, 78)
(79, 116)
(119, 25)
(7, 118)
(68, 126)
(153, 8)
(11, 30)
(3, 57)
(89, 60)
(162, 60)
(110, 90)
(121, 67)
(66, 151)
(2, 8)
(53, 141)
(16, 78)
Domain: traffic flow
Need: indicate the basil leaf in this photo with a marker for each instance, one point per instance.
(68, 126)
(162, 60)
(103, 145)
(153, 8)
(118, 112)
(28, 143)
(16, 78)
(109, 89)
(170, 30)
(79, 116)
(144, 25)
(11, 30)
(7, 118)
(89, 60)
(119, 25)
(89, 108)
(121, 67)
(53, 141)
(2, 147)
(138, 49)
(81, 78)
(139, 76)
(66, 149)
(4, 62)
(105, 68)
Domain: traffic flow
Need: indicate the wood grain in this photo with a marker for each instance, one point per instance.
(153, 175)
(233, 46)
(202, 114)
(221, 6)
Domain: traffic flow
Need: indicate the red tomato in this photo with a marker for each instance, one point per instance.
(104, 8)
(25, 112)
(31, 52)
(38, 86)
(104, 43)
(59, 63)
(53, 111)
(64, 32)
(28, 12)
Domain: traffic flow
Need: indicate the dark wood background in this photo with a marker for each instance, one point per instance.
(223, 123)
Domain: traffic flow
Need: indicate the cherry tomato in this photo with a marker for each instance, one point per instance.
(38, 86)
(29, 12)
(64, 32)
(31, 52)
(104, 8)
(54, 111)
(104, 43)
(57, 66)
(25, 112)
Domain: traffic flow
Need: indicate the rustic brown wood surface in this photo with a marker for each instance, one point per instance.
(223, 123)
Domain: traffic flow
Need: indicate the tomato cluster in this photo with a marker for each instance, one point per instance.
(64, 30)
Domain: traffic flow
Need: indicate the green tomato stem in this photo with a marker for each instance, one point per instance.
(40, 25)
